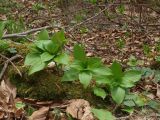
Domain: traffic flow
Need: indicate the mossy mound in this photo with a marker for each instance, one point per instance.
(46, 85)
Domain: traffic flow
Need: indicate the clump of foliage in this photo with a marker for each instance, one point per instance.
(3, 45)
(2, 26)
(90, 71)
(133, 61)
(84, 68)
(46, 49)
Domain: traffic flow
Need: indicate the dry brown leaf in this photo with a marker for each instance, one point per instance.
(40, 114)
(7, 97)
(158, 91)
(80, 109)
(8, 90)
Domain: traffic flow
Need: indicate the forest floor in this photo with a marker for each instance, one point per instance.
(130, 36)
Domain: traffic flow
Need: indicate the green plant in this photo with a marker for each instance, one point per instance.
(3, 45)
(157, 58)
(84, 68)
(102, 114)
(2, 26)
(158, 45)
(146, 49)
(87, 69)
(38, 6)
(20, 105)
(121, 9)
(91, 1)
(15, 26)
(84, 30)
(118, 82)
(120, 43)
(132, 100)
(46, 49)
(134, 62)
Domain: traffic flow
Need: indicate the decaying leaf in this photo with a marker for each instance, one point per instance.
(158, 91)
(7, 101)
(80, 109)
(40, 114)
(8, 90)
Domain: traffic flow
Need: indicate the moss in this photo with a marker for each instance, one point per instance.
(22, 49)
(47, 85)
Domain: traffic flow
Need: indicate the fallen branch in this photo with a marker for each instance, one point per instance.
(6, 64)
(24, 34)
(88, 19)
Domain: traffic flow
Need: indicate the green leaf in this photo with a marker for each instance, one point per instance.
(37, 67)
(79, 53)
(77, 65)
(62, 59)
(130, 110)
(19, 105)
(32, 58)
(93, 1)
(70, 75)
(43, 35)
(132, 61)
(59, 36)
(118, 94)
(121, 9)
(131, 96)
(2, 26)
(129, 103)
(103, 80)
(40, 44)
(4, 45)
(51, 47)
(94, 62)
(154, 105)
(85, 78)
(117, 70)
(102, 114)
(140, 101)
(130, 77)
(99, 92)
(101, 71)
(12, 50)
(46, 56)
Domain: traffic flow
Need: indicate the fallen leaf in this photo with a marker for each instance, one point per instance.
(9, 91)
(80, 109)
(40, 114)
(158, 91)
(7, 101)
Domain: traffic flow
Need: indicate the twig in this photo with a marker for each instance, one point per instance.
(24, 34)
(123, 118)
(7, 62)
(88, 19)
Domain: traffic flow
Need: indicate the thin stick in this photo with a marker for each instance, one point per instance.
(24, 34)
(6, 64)
(88, 19)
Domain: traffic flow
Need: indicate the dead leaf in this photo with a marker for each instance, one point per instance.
(80, 109)
(8, 90)
(158, 91)
(7, 101)
(40, 114)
